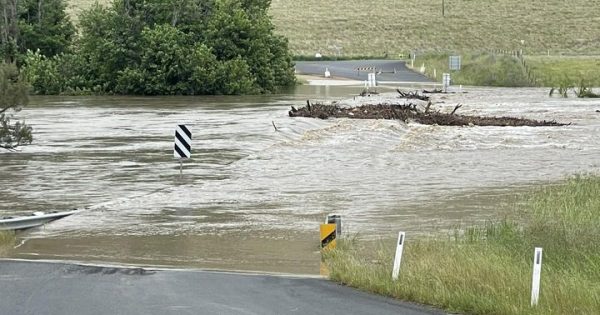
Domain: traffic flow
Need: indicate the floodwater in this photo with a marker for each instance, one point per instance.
(251, 198)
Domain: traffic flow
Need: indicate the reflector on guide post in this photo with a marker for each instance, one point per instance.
(328, 237)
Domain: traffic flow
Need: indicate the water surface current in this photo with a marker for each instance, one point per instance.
(251, 198)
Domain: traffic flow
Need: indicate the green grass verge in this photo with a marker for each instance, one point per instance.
(486, 69)
(476, 69)
(553, 70)
(7, 238)
(487, 269)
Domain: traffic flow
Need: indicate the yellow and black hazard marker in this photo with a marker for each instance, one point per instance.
(328, 240)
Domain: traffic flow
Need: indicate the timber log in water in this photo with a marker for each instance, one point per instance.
(411, 112)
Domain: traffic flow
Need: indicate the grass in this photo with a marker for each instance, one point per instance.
(487, 269)
(393, 27)
(358, 27)
(487, 69)
(476, 69)
(7, 238)
(553, 70)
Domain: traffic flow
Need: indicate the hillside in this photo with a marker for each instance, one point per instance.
(359, 27)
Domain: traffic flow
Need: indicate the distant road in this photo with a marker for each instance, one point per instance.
(389, 70)
(60, 288)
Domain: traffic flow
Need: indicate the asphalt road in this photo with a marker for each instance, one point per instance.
(60, 288)
(388, 70)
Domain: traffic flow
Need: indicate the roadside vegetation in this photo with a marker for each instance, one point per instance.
(566, 87)
(508, 69)
(488, 269)
(481, 69)
(13, 96)
(552, 70)
(7, 238)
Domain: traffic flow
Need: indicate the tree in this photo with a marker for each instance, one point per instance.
(9, 31)
(158, 47)
(34, 25)
(13, 96)
(44, 25)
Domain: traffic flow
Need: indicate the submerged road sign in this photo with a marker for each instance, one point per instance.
(183, 142)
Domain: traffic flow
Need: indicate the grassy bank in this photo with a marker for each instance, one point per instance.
(477, 69)
(487, 270)
(552, 70)
(7, 238)
(487, 69)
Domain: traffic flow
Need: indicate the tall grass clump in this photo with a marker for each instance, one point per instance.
(585, 91)
(487, 269)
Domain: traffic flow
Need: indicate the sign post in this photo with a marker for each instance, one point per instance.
(183, 145)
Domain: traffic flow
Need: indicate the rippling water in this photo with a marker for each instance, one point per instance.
(252, 197)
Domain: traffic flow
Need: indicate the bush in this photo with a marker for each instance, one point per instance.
(196, 47)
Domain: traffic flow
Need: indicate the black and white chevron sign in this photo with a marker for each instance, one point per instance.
(183, 142)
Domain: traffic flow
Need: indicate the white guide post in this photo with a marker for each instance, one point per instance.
(537, 271)
(446, 81)
(398, 257)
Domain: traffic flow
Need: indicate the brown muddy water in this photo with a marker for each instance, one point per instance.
(251, 198)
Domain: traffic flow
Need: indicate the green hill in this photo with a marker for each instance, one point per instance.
(360, 27)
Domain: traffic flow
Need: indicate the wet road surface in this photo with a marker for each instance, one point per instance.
(59, 288)
(387, 70)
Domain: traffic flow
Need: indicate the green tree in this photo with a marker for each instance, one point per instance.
(9, 31)
(34, 25)
(13, 95)
(156, 47)
(110, 43)
(164, 64)
(44, 25)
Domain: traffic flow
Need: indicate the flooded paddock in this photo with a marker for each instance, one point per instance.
(251, 198)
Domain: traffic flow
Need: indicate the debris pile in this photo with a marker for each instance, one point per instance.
(412, 113)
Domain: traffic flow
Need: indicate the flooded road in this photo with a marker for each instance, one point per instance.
(251, 198)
